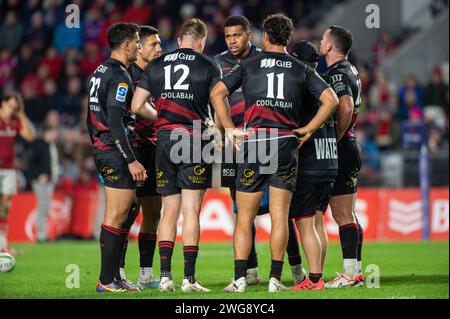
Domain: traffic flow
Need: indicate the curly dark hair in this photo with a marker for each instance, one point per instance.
(279, 28)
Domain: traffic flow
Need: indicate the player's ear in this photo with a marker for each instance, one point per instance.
(179, 41)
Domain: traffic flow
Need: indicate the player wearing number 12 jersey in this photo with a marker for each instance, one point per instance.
(180, 82)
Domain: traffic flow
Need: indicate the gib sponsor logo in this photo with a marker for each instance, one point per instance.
(270, 63)
(179, 56)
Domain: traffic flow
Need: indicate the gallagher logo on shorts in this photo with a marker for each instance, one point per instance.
(248, 172)
(121, 93)
(198, 170)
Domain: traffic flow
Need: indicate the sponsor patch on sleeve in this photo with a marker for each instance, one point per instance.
(121, 93)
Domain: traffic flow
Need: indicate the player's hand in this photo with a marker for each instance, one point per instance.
(303, 134)
(236, 136)
(137, 171)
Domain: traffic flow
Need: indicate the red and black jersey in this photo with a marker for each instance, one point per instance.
(236, 101)
(110, 122)
(274, 85)
(344, 79)
(8, 133)
(145, 130)
(180, 82)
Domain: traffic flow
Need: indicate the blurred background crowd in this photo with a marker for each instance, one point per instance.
(48, 63)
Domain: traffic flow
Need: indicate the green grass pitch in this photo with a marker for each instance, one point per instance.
(407, 270)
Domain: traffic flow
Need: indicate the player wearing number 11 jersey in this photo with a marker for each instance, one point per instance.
(274, 85)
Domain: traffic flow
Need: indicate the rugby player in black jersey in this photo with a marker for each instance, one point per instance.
(238, 40)
(273, 84)
(148, 198)
(111, 128)
(180, 82)
(317, 170)
(344, 79)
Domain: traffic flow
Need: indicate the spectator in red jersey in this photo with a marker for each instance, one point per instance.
(54, 62)
(91, 58)
(13, 122)
(33, 85)
(384, 47)
(138, 13)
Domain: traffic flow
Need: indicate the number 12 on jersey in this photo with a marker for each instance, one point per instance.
(179, 85)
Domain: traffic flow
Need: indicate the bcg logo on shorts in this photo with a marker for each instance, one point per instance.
(159, 174)
(228, 172)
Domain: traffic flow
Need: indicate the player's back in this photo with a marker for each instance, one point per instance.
(274, 85)
(108, 85)
(180, 82)
(345, 80)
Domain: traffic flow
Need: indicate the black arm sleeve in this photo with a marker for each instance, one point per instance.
(117, 130)
(233, 80)
(118, 95)
(315, 84)
(340, 84)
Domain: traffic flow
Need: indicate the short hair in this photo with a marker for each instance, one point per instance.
(146, 31)
(279, 28)
(120, 32)
(195, 28)
(13, 95)
(237, 20)
(342, 38)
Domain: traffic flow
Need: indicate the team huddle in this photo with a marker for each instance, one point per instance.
(284, 134)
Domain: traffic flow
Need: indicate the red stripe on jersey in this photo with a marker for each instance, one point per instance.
(237, 108)
(171, 106)
(100, 126)
(264, 112)
(98, 144)
(164, 124)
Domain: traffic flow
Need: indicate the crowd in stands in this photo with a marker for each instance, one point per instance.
(48, 63)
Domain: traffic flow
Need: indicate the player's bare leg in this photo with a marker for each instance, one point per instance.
(167, 232)
(247, 205)
(310, 243)
(252, 270)
(313, 250)
(5, 202)
(279, 203)
(190, 206)
(342, 208)
(112, 237)
(151, 215)
(319, 224)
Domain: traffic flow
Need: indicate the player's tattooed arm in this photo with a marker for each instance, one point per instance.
(344, 115)
(341, 86)
(141, 107)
